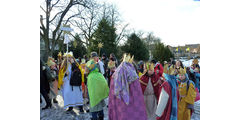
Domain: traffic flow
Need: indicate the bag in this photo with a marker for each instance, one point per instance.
(50, 74)
(76, 78)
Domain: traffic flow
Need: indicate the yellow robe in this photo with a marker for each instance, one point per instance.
(60, 77)
(186, 97)
(62, 73)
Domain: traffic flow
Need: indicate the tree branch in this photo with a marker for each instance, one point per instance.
(120, 35)
(54, 5)
(71, 17)
(55, 16)
(42, 9)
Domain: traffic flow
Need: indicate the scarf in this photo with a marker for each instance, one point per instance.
(124, 75)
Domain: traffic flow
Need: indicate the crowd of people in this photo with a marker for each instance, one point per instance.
(135, 91)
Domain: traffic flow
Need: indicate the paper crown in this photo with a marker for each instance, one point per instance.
(195, 61)
(165, 68)
(111, 64)
(59, 54)
(127, 58)
(149, 66)
(171, 70)
(182, 71)
(50, 62)
(69, 54)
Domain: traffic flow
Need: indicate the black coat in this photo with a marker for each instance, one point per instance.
(44, 84)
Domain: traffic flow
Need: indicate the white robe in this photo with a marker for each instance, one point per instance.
(150, 101)
(72, 97)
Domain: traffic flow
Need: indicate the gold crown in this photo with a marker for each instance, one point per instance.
(171, 70)
(165, 68)
(50, 62)
(128, 58)
(149, 66)
(195, 61)
(182, 71)
(59, 54)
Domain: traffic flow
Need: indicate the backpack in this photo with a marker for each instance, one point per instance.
(76, 77)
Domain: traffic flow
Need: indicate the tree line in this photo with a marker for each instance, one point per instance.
(94, 23)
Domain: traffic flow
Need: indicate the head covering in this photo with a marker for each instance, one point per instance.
(104, 55)
(195, 61)
(70, 54)
(182, 71)
(59, 54)
(94, 54)
(149, 66)
(50, 62)
(154, 61)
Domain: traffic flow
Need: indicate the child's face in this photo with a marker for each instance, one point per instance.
(150, 72)
(182, 77)
(95, 59)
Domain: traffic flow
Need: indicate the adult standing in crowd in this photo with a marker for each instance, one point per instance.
(97, 88)
(44, 86)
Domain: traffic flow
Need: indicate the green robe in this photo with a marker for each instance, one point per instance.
(97, 85)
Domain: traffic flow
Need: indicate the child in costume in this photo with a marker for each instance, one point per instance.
(168, 100)
(187, 96)
(150, 87)
(97, 88)
(126, 101)
(72, 95)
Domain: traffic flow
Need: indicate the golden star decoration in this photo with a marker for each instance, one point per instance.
(100, 45)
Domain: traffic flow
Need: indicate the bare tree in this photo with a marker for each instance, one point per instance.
(50, 42)
(87, 21)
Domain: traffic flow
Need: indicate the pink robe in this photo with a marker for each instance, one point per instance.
(135, 110)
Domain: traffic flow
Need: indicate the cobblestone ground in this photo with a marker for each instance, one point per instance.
(57, 112)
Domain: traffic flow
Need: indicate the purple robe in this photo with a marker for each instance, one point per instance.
(132, 108)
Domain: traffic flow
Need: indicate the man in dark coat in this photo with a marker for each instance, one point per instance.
(44, 86)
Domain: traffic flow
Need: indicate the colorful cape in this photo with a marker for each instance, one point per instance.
(117, 108)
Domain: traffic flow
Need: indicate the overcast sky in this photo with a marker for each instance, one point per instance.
(176, 22)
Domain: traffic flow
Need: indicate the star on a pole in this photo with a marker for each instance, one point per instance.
(100, 45)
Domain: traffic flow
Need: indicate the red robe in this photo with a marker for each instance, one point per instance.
(160, 70)
(155, 82)
(167, 112)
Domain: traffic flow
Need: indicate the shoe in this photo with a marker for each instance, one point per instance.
(70, 109)
(100, 118)
(47, 106)
(55, 101)
(87, 111)
(81, 109)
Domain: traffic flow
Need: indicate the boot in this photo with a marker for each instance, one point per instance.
(81, 109)
(48, 102)
(100, 118)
